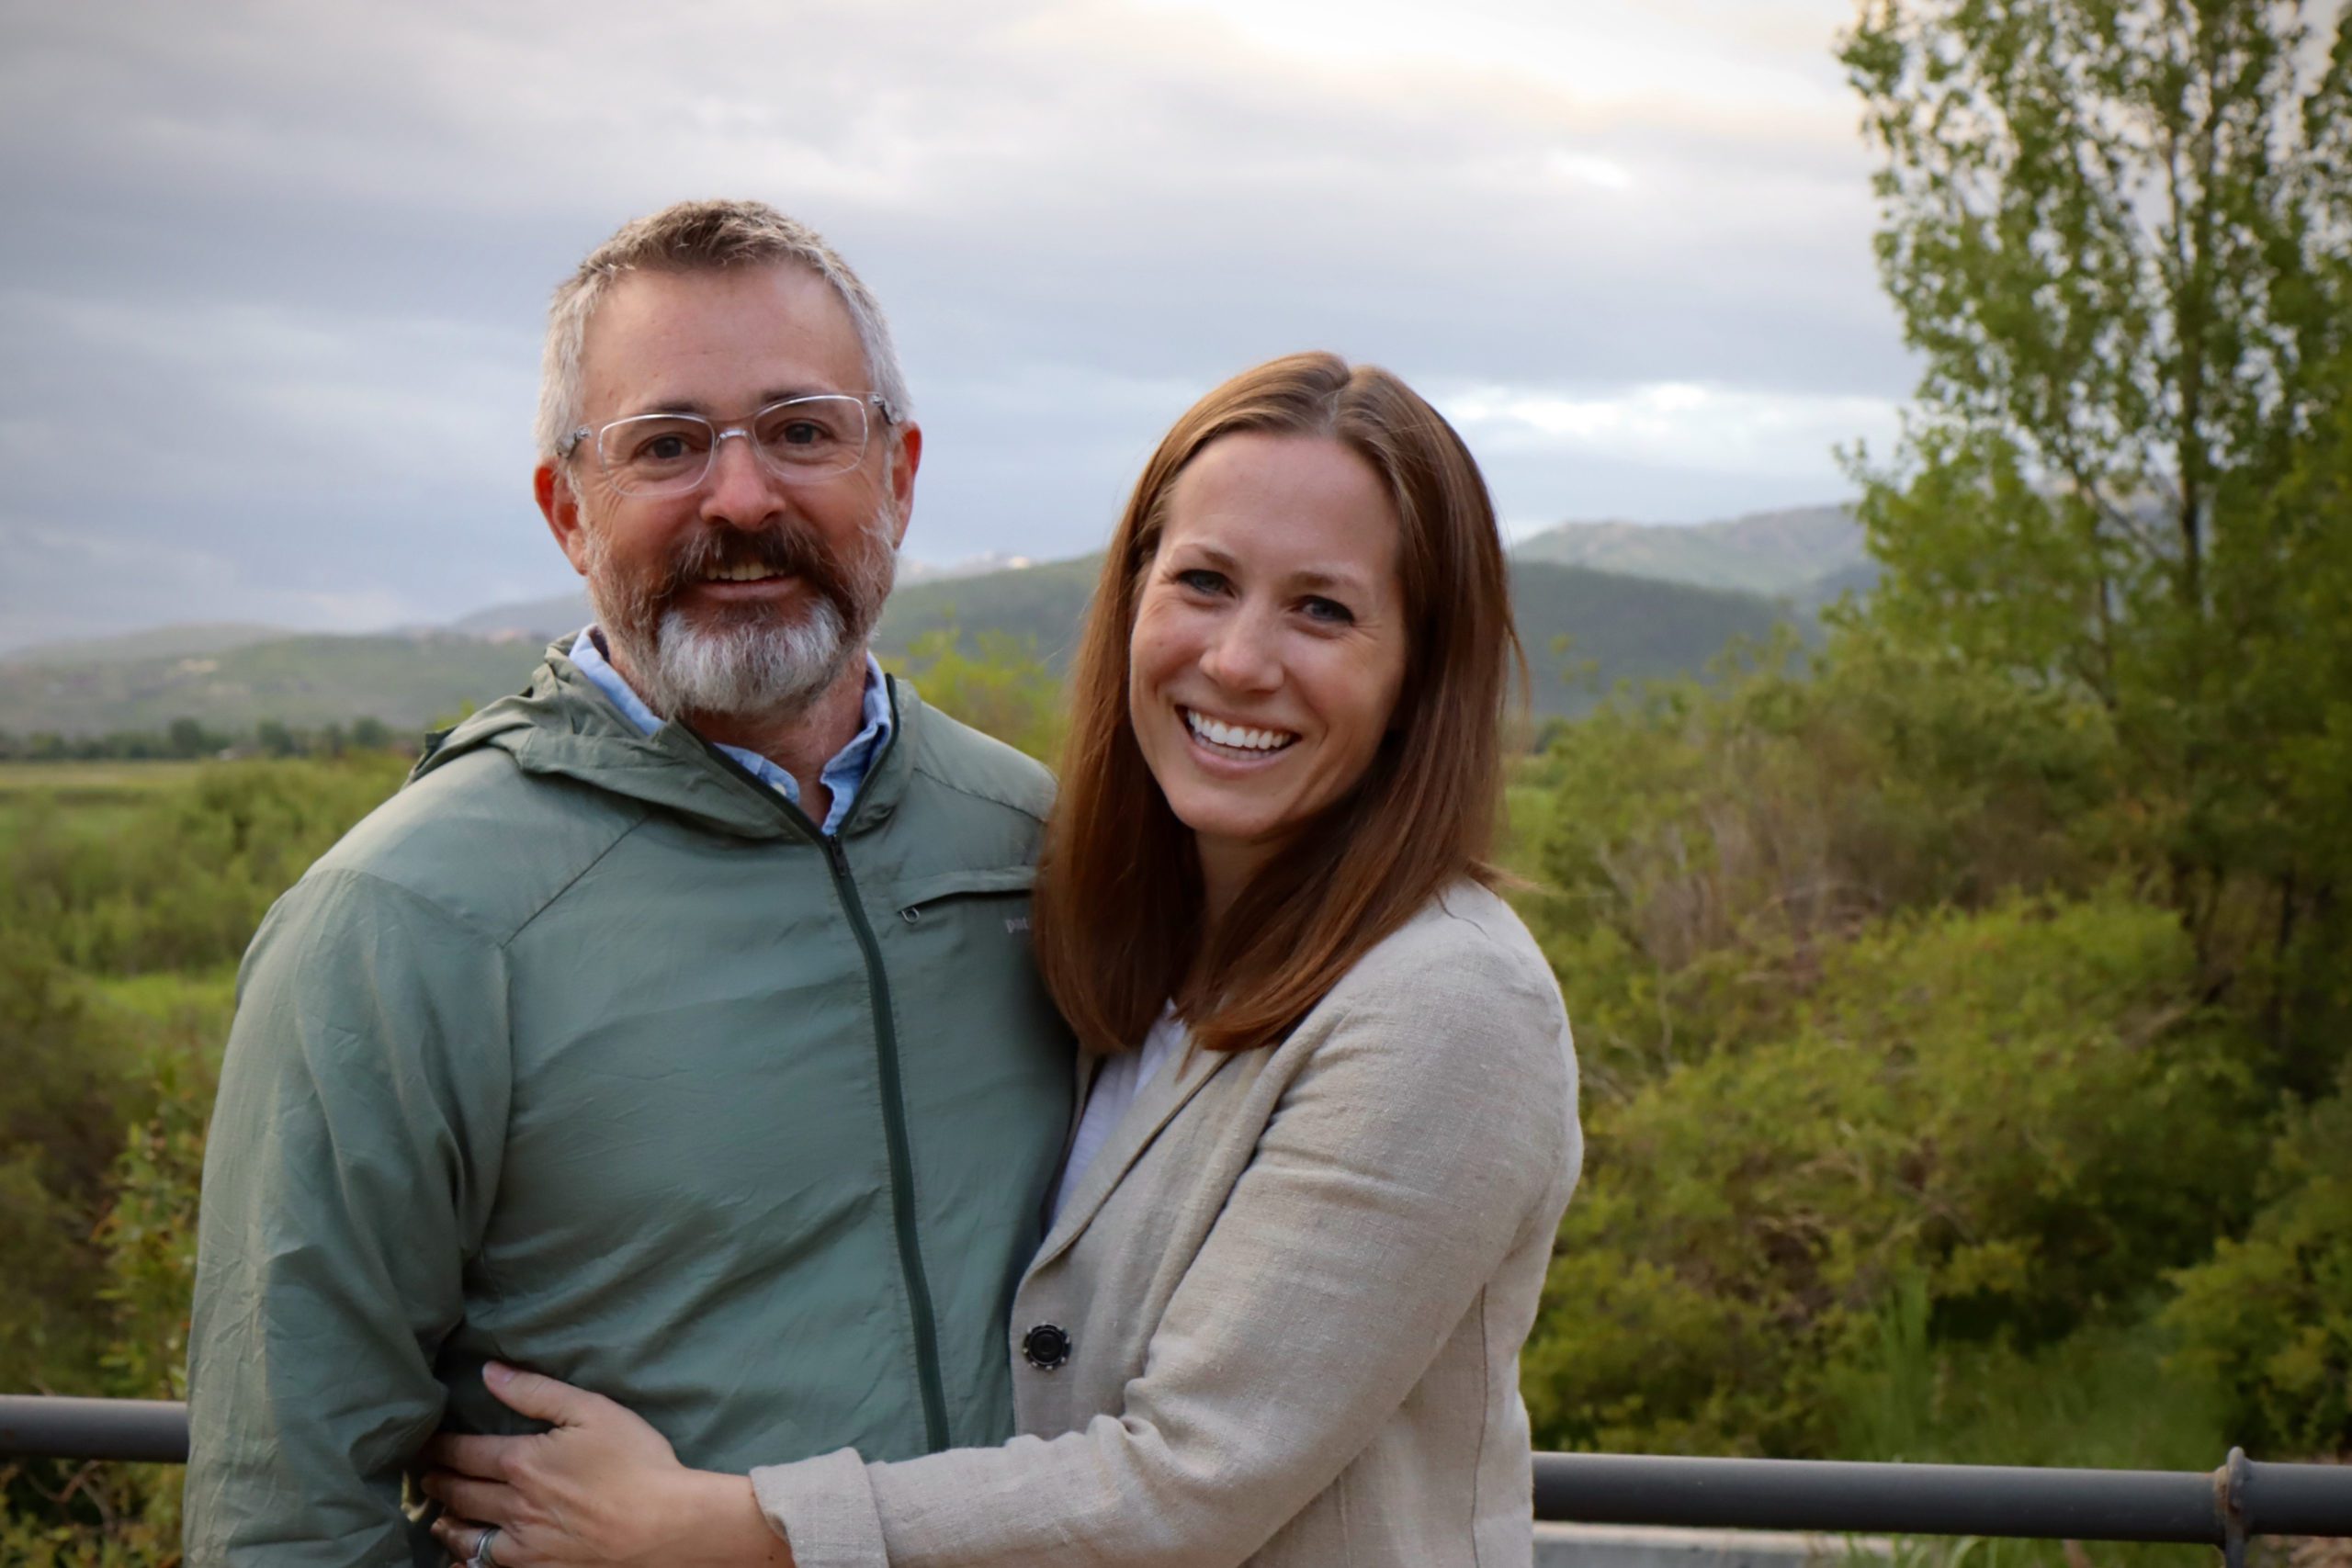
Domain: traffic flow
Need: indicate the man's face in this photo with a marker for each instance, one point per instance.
(749, 594)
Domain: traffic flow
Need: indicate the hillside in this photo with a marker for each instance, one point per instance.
(1040, 602)
(161, 642)
(1583, 630)
(1616, 627)
(543, 620)
(1787, 553)
(407, 683)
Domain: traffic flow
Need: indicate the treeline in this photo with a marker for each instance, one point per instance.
(189, 739)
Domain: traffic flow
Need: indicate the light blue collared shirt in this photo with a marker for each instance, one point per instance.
(843, 777)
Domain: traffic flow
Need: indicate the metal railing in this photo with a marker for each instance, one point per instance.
(2225, 1508)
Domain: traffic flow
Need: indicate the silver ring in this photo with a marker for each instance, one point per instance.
(482, 1557)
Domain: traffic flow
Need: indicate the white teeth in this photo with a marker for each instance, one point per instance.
(746, 573)
(1235, 736)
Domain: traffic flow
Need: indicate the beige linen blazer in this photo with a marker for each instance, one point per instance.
(1294, 1282)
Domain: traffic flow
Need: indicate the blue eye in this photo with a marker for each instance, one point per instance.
(1330, 611)
(1201, 579)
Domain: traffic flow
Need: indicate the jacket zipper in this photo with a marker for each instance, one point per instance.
(894, 1101)
(894, 1132)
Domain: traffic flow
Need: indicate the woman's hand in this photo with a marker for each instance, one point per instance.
(603, 1489)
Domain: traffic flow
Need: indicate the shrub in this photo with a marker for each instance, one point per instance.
(116, 1277)
(1001, 688)
(2267, 1319)
(179, 880)
(70, 1087)
(2024, 1109)
(1698, 854)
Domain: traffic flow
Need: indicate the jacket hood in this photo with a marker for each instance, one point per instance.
(561, 725)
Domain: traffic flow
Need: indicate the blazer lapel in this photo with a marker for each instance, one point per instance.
(1169, 1090)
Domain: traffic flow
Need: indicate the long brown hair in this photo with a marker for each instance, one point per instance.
(1119, 908)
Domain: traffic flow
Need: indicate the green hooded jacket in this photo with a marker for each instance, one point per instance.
(588, 1052)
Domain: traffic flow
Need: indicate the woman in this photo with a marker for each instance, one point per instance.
(1329, 1097)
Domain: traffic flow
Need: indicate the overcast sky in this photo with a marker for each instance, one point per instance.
(272, 276)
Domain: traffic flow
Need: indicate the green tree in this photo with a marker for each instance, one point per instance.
(187, 737)
(2269, 1318)
(1002, 688)
(2118, 232)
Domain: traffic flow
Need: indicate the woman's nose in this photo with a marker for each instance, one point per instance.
(1243, 655)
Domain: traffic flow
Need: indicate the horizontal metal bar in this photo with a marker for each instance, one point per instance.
(1824, 1495)
(2297, 1499)
(1839, 1497)
(51, 1426)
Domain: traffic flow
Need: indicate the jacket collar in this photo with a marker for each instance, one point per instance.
(563, 726)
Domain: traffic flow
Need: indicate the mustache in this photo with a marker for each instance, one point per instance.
(787, 552)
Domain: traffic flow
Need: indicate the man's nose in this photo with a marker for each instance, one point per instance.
(1244, 654)
(739, 489)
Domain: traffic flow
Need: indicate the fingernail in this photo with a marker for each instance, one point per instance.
(498, 1375)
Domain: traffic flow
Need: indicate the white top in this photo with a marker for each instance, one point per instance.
(1116, 1083)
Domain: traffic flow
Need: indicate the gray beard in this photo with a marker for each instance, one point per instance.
(745, 667)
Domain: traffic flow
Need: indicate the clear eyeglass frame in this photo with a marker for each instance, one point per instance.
(799, 440)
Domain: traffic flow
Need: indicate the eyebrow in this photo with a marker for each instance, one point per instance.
(773, 395)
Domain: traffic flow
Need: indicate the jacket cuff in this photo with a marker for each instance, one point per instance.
(824, 1509)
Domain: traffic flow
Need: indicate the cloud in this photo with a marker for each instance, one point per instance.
(1722, 430)
(275, 283)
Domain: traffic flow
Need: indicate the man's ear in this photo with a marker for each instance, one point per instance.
(905, 459)
(559, 505)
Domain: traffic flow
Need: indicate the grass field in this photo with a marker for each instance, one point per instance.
(93, 781)
(80, 801)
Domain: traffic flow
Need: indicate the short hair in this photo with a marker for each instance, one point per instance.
(1119, 904)
(699, 236)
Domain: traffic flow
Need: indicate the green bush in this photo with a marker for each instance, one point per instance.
(102, 1287)
(1698, 853)
(120, 915)
(72, 1085)
(2024, 1111)
(180, 879)
(1002, 688)
(2267, 1320)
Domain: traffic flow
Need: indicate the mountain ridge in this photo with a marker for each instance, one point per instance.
(1790, 552)
(1597, 603)
(1583, 631)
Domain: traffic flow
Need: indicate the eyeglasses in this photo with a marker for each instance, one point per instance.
(798, 440)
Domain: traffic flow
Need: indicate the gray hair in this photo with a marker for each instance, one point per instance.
(698, 236)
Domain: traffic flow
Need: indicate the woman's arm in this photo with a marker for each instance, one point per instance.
(1428, 1136)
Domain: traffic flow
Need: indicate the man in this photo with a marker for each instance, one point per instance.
(674, 1030)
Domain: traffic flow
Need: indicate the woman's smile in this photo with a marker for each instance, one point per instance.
(1231, 738)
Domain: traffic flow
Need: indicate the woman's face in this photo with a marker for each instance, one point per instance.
(1269, 642)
